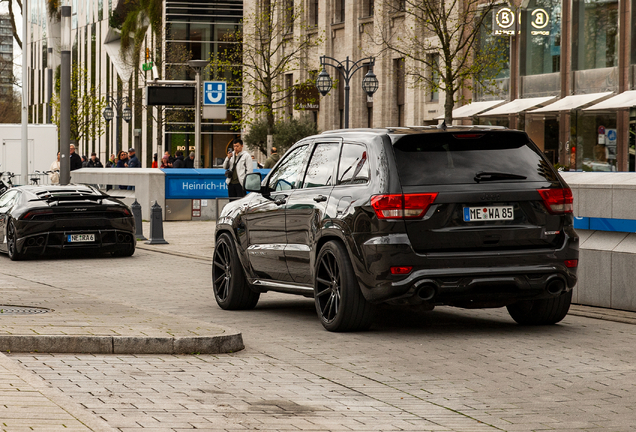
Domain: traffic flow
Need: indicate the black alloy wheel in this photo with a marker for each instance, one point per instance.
(231, 290)
(339, 302)
(12, 243)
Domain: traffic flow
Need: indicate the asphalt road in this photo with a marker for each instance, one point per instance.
(449, 369)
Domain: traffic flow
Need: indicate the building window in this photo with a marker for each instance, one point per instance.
(339, 9)
(313, 12)
(289, 86)
(541, 37)
(399, 74)
(434, 76)
(368, 7)
(289, 16)
(595, 34)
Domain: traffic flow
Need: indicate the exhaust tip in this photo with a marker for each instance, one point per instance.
(120, 238)
(555, 287)
(31, 241)
(40, 241)
(426, 291)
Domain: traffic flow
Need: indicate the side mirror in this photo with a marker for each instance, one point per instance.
(253, 182)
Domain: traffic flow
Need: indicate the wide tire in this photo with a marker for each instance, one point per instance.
(541, 312)
(126, 251)
(339, 302)
(12, 239)
(231, 290)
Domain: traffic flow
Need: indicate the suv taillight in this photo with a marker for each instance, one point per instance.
(557, 201)
(402, 206)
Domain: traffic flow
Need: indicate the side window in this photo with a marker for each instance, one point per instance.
(320, 169)
(8, 198)
(354, 165)
(287, 175)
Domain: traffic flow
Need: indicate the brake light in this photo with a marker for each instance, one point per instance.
(402, 206)
(33, 213)
(467, 136)
(123, 210)
(571, 263)
(557, 201)
(401, 270)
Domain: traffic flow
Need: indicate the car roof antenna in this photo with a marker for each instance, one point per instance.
(442, 126)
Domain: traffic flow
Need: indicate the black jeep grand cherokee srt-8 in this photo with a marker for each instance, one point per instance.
(471, 217)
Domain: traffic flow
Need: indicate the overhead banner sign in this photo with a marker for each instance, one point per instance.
(503, 22)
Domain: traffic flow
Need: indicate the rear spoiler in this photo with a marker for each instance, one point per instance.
(49, 198)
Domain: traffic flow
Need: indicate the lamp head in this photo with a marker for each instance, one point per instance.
(324, 83)
(370, 83)
(127, 114)
(108, 113)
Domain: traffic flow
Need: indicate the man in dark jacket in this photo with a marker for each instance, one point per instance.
(74, 159)
(133, 161)
(94, 162)
(189, 162)
(178, 162)
(272, 159)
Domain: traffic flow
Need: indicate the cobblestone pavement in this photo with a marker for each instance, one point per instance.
(449, 369)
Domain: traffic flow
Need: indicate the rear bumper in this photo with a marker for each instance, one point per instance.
(479, 279)
(56, 242)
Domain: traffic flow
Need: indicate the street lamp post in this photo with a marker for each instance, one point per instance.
(197, 66)
(65, 96)
(347, 69)
(108, 114)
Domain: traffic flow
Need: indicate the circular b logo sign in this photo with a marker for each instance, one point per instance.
(505, 18)
(540, 18)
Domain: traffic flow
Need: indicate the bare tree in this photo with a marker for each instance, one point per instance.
(440, 41)
(272, 43)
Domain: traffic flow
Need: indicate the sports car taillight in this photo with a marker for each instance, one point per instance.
(402, 206)
(557, 201)
(34, 213)
(122, 210)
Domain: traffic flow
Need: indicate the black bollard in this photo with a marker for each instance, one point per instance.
(156, 225)
(139, 229)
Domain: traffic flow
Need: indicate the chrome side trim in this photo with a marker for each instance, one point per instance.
(285, 287)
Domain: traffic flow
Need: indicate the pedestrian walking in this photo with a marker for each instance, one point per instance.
(237, 165)
(133, 162)
(112, 161)
(189, 162)
(54, 175)
(75, 160)
(272, 159)
(94, 162)
(178, 162)
(122, 159)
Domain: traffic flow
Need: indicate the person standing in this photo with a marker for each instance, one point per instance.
(178, 162)
(112, 161)
(272, 159)
(237, 165)
(54, 174)
(165, 162)
(122, 160)
(84, 161)
(133, 161)
(155, 164)
(189, 162)
(94, 162)
(75, 161)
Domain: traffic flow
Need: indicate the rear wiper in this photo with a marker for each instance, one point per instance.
(493, 175)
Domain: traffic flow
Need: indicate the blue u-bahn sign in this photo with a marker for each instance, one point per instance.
(214, 93)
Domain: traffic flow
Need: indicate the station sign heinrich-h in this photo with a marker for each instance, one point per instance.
(214, 93)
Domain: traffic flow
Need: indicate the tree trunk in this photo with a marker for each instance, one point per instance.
(449, 103)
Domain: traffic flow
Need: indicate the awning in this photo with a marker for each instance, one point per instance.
(518, 105)
(572, 102)
(472, 109)
(624, 100)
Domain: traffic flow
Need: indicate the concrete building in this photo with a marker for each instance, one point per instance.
(6, 55)
(194, 25)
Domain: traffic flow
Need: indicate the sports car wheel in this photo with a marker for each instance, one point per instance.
(12, 246)
(126, 251)
(339, 301)
(231, 289)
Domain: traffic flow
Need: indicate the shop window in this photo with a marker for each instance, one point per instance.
(595, 34)
(541, 37)
(494, 50)
(593, 142)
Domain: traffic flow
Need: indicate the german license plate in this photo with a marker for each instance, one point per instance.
(472, 214)
(78, 238)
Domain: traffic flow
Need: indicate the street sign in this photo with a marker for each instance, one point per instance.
(214, 93)
(503, 22)
(170, 96)
(147, 66)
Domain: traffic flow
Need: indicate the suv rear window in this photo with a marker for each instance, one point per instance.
(458, 157)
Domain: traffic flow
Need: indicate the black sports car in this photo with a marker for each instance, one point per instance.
(38, 220)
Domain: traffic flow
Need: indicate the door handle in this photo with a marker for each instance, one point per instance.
(280, 201)
(320, 198)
